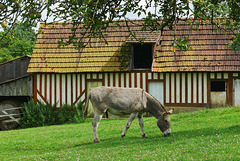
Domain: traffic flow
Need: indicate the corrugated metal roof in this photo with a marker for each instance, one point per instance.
(209, 51)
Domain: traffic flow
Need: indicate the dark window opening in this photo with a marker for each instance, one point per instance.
(143, 56)
(218, 86)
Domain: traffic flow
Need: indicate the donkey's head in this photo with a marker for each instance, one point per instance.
(164, 123)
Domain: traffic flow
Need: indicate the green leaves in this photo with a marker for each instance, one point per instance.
(18, 43)
(41, 114)
(182, 44)
(96, 15)
(35, 115)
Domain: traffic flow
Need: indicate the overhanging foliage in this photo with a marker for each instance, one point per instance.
(97, 14)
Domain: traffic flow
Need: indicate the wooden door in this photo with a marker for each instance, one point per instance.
(156, 90)
(91, 85)
(236, 94)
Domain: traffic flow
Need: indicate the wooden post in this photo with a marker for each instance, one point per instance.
(230, 90)
(208, 91)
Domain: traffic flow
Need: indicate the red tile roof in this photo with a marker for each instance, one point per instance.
(96, 57)
(209, 51)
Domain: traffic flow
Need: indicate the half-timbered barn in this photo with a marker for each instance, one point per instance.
(206, 75)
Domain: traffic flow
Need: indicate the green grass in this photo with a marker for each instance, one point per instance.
(203, 135)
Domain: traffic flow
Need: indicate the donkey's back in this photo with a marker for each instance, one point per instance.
(113, 99)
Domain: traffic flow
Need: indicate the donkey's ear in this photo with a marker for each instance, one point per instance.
(170, 111)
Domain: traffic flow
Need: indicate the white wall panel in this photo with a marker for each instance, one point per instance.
(58, 89)
(144, 81)
(194, 88)
(48, 88)
(111, 79)
(122, 79)
(205, 87)
(43, 85)
(236, 94)
(189, 87)
(178, 88)
(83, 82)
(161, 75)
(63, 89)
(172, 88)
(200, 94)
(183, 93)
(167, 88)
(69, 92)
(116, 80)
(132, 79)
(127, 80)
(38, 81)
(138, 80)
(94, 76)
(53, 89)
(74, 87)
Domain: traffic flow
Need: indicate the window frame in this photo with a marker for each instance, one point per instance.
(132, 64)
(220, 90)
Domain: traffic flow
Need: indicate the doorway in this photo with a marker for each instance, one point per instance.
(218, 93)
(156, 90)
(236, 92)
(91, 85)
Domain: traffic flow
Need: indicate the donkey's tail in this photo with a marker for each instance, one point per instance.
(87, 103)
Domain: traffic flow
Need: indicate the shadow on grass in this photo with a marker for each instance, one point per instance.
(159, 139)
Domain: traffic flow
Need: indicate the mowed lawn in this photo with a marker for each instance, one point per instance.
(212, 134)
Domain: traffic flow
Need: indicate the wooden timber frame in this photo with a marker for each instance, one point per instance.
(9, 118)
(189, 89)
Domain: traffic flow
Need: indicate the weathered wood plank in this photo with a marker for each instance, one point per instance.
(14, 68)
(10, 116)
(8, 121)
(6, 117)
(18, 87)
(17, 108)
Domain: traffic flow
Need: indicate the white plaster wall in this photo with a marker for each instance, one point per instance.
(218, 98)
(236, 92)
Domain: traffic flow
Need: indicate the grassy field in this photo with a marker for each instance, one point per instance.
(203, 135)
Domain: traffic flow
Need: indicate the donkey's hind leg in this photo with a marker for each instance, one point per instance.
(130, 120)
(141, 124)
(95, 123)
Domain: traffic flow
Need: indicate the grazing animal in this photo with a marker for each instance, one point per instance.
(123, 101)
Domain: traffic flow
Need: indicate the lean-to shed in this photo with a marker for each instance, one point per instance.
(208, 74)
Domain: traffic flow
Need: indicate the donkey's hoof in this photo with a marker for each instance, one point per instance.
(123, 136)
(97, 141)
(144, 136)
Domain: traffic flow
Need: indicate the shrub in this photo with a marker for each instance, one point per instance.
(73, 113)
(40, 114)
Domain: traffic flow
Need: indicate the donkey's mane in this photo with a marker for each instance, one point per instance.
(155, 99)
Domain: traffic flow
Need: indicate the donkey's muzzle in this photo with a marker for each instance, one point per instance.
(167, 133)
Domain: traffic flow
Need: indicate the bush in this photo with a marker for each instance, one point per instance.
(40, 114)
(73, 113)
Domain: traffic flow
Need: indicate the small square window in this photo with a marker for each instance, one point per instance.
(218, 86)
(142, 56)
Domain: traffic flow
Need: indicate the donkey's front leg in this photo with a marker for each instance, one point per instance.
(95, 123)
(141, 124)
(130, 120)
